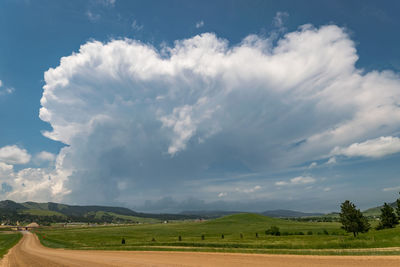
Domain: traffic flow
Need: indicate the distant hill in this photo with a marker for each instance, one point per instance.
(210, 213)
(54, 212)
(289, 214)
(269, 213)
(377, 210)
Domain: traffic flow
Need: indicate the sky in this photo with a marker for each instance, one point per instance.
(169, 106)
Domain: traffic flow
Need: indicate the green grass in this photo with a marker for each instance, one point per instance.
(39, 212)
(139, 237)
(100, 214)
(7, 241)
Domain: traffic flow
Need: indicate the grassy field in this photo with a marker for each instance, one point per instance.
(7, 241)
(239, 235)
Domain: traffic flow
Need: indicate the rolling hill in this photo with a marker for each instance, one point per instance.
(376, 211)
(54, 212)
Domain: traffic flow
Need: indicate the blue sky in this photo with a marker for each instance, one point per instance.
(166, 106)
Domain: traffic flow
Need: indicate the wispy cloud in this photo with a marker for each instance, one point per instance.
(136, 26)
(297, 181)
(93, 17)
(110, 3)
(5, 90)
(313, 165)
(199, 24)
(395, 188)
(279, 19)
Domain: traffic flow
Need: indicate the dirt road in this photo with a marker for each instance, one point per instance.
(29, 252)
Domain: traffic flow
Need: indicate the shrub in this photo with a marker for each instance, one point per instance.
(309, 233)
(274, 230)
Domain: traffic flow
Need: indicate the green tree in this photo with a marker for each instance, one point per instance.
(388, 218)
(353, 221)
(398, 207)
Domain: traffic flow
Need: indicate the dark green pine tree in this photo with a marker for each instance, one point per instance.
(388, 218)
(353, 221)
(398, 207)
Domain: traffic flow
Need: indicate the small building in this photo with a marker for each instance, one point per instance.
(31, 226)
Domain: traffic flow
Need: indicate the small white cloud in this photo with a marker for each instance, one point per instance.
(111, 2)
(248, 190)
(6, 91)
(313, 165)
(199, 24)
(297, 181)
(373, 148)
(92, 16)
(222, 194)
(395, 188)
(327, 189)
(106, 2)
(136, 26)
(14, 155)
(302, 180)
(44, 156)
(331, 161)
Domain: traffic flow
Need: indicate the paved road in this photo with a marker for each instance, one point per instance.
(29, 252)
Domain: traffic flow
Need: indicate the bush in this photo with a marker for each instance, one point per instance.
(274, 230)
(325, 232)
(309, 233)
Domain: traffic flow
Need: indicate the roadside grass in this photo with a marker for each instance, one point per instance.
(239, 235)
(7, 241)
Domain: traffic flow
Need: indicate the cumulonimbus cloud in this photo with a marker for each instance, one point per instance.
(139, 121)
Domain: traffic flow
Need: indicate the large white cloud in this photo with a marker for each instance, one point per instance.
(140, 122)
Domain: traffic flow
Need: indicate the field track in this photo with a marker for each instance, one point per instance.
(29, 252)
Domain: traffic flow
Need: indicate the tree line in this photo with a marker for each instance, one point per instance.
(353, 221)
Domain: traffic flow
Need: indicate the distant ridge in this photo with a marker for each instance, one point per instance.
(269, 213)
(289, 214)
(210, 213)
(56, 212)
